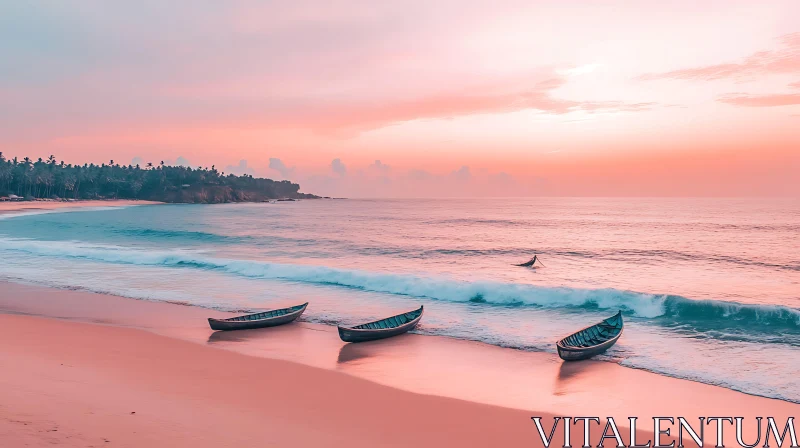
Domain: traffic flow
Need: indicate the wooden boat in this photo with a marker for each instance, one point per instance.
(530, 263)
(259, 320)
(380, 329)
(592, 340)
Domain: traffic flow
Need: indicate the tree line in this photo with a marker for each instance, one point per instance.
(59, 180)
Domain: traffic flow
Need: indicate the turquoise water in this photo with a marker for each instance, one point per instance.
(710, 289)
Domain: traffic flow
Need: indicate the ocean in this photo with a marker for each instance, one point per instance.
(709, 288)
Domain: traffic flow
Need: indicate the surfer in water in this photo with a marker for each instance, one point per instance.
(530, 263)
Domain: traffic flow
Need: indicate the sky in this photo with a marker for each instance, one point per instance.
(416, 98)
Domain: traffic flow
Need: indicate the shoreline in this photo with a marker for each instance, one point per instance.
(23, 206)
(522, 384)
(324, 325)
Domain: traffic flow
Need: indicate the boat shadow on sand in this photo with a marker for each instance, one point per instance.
(251, 334)
(572, 370)
(231, 336)
(571, 374)
(350, 353)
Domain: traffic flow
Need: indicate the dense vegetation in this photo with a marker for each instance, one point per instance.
(52, 179)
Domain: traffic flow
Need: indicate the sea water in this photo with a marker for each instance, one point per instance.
(709, 288)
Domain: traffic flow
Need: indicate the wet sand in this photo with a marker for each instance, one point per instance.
(18, 206)
(80, 368)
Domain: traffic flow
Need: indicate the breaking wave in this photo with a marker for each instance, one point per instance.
(720, 319)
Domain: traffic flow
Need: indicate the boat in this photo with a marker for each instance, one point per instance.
(530, 263)
(381, 329)
(259, 320)
(592, 340)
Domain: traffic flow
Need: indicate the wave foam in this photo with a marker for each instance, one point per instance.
(669, 310)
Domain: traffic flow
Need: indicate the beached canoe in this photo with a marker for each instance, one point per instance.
(259, 320)
(380, 329)
(592, 340)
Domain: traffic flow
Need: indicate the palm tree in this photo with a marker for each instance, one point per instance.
(51, 178)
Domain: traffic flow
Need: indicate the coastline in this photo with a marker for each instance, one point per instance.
(163, 359)
(23, 206)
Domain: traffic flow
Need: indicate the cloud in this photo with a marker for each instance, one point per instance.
(338, 167)
(240, 169)
(782, 61)
(462, 174)
(795, 85)
(501, 178)
(463, 182)
(785, 60)
(417, 174)
(343, 116)
(616, 106)
(742, 99)
(137, 161)
(502, 97)
(207, 76)
(379, 168)
(279, 166)
(182, 161)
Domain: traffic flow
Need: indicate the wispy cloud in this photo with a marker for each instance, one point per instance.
(781, 61)
(502, 97)
(742, 99)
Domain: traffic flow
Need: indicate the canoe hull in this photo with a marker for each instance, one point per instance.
(592, 340)
(578, 354)
(350, 334)
(228, 325)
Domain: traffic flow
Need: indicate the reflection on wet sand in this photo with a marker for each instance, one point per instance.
(571, 374)
(229, 336)
(353, 352)
(253, 334)
(392, 347)
(571, 370)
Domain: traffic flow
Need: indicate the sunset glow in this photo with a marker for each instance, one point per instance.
(417, 99)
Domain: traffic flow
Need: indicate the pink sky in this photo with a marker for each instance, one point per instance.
(417, 98)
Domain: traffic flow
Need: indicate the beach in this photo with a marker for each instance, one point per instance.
(85, 385)
(33, 206)
(83, 369)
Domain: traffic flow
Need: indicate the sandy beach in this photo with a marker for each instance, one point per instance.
(85, 369)
(26, 206)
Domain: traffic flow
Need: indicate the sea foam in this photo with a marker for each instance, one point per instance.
(728, 319)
